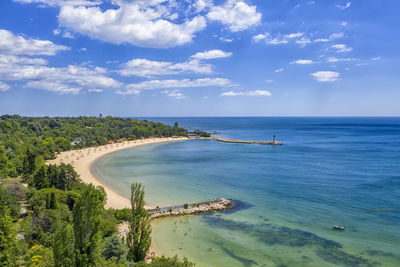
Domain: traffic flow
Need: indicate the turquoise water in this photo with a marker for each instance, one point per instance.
(329, 171)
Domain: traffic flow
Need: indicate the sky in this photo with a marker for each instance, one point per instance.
(200, 57)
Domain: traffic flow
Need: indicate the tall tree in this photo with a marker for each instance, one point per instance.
(139, 236)
(29, 163)
(3, 162)
(63, 245)
(87, 217)
(53, 201)
(114, 249)
(7, 238)
(40, 179)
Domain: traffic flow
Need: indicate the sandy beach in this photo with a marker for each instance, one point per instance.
(82, 160)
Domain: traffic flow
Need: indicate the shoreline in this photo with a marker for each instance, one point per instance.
(83, 159)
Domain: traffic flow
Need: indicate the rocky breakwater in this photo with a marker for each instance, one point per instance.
(220, 204)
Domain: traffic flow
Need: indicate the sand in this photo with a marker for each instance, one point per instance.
(82, 160)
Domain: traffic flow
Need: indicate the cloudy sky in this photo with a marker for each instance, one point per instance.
(200, 57)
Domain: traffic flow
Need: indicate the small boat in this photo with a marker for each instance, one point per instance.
(338, 227)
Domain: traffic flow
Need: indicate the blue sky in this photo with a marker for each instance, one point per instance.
(200, 57)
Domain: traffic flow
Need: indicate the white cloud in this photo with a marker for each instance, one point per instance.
(135, 88)
(259, 93)
(95, 90)
(302, 62)
(18, 45)
(11, 59)
(175, 94)
(53, 86)
(294, 35)
(227, 40)
(34, 74)
(332, 37)
(146, 68)
(303, 41)
(334, 59)
(342, 48)
(321, 40)
(68, 35)
(201, 5)
(344, 23)
(279, 70)
(236, 14)
(61, 2)
(260, 37)
(211, 54)
(250, 93)
(3, 87)
(342, 7)
(325, 76)
(279, 38)
(376, 58)
(141, 23)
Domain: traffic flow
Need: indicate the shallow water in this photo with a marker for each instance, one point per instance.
(329, 171)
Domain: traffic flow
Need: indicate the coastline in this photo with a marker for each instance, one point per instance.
(83, 159)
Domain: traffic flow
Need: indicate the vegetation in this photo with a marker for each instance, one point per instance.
(164, 261)
(48, 217)
(139, 239)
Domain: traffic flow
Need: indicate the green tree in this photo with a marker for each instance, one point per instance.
(3, 162)
(62, 143)
(139, 236)
(48, 201)
(7, 238)
(11, 170)
(40, 179)
(114, 249)
(29, 163)
(67, 177)
(63, 245)
(9, 201)
(53, 201)
(87, 217)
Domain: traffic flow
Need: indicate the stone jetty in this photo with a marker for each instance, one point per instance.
(220, 204)
(227, 140)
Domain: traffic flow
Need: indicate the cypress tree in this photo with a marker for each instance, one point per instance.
(29, 163)
(63, 245)
(53, 201)
(53, 176)
(139, 236)
(48, 201)
(3, 162)
(40, 179)
(86, 218)
(7, 238)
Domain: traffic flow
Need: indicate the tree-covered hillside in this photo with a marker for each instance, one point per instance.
(43, 136)
(48, 217)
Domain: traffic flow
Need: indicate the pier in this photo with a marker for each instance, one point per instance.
(220, 204)
(227, 140)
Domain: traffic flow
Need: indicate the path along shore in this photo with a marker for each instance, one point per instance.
(83, 159)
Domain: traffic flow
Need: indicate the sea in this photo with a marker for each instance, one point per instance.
(329, 171)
